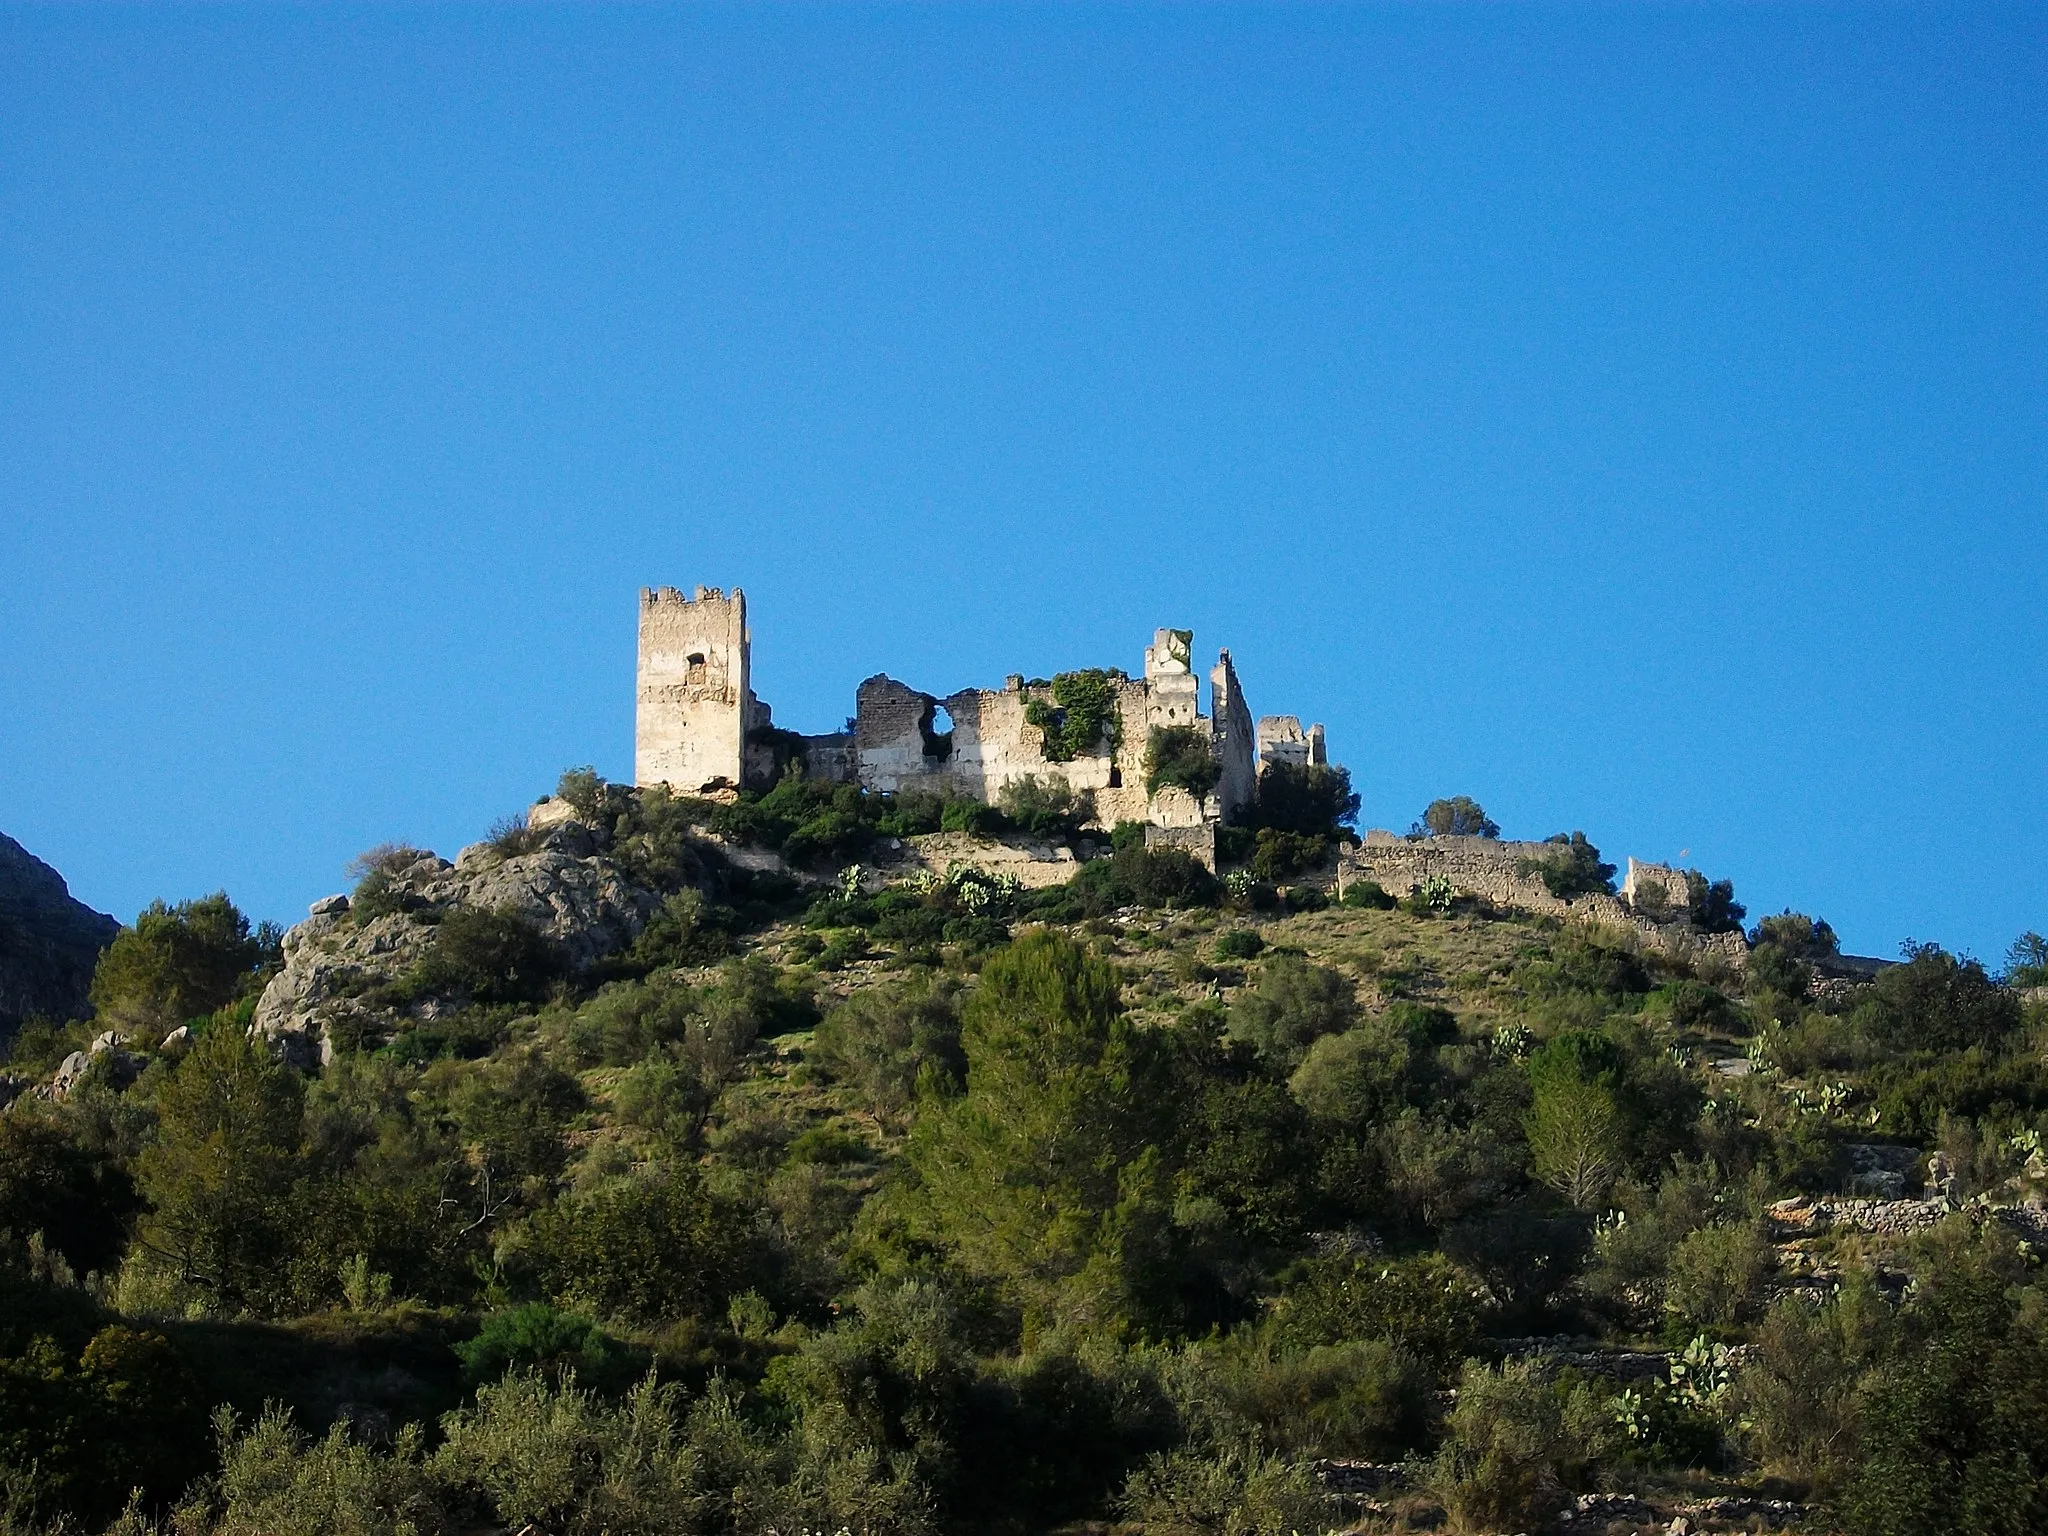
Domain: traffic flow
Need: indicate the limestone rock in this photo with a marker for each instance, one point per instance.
(122, 1068)
(588, 905)
(48, 941)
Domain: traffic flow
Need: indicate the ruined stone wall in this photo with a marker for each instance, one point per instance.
(832, 758)
(1236, 742)
(1655, 888)
(693, 703)
(698, 725)
(1486, 867)
(990, 744)
(1282, 740)
(897, 745)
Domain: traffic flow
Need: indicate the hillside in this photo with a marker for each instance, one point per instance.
(48, 941)
(829, 1162)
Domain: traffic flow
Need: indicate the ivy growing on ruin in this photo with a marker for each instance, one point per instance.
(1083, 713)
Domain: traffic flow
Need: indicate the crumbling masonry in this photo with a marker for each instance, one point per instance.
(699, 728)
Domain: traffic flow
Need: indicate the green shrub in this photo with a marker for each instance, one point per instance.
(1955, 1420)
(2026, 963)
(1936, 1002)
(1796, 1397)
(81, 1428)
(1144, 877)
(1314, 799)
(541, 1338)
(1045, 1178)
(1361, 1075)
(59, 1181)
(646, 1250)
(1518, 1443)
(1239, 1490)
(665, 1095)
(276, 1482)
(490, 957)
(1045, 807)
(1796, 934)
(889, 1039)
(1369, 895)
(1575, 869)
(1281, 855)
(1359, 1397)
(1248, 1151)
(1425, 1303)
(514, 1111)
(1239, 944)
(1711, 906)
(687, 931)
(179, 963)
(1459, 816)
(1084, 715)
(1180, 755)
(511, 836)
(1718, 1277)
(973, 818)
(220, 1171)
(827, 1145)
(1293, 1003)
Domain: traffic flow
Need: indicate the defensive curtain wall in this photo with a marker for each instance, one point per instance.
(700, 728)
(1652, 901)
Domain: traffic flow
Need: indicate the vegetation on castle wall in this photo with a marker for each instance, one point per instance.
(1180, 755)
(1575, 869)
(1083, 718)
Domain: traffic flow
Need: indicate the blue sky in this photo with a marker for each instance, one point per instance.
(1632, 416)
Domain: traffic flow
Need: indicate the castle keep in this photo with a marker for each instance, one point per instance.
(699, 727)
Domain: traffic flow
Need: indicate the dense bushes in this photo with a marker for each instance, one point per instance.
(177, 964)
(1313, 799)
(1935, 1002)
(954, 1206)
(1575, 869)
(641, 1249)
(1457, 816)
(1180, 755)
(1083, 717)
(1138, 877)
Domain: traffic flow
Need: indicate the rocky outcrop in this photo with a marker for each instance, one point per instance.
(48, 941)
(339, 965)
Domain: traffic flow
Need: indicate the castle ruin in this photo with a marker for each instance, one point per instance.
(700, 729)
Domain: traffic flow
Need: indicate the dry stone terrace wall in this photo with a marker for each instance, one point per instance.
(1487, 868)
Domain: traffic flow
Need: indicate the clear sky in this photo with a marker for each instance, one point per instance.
(1632, 416)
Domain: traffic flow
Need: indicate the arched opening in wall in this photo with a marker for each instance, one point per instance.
(937, 730)
(693, 668)
(1116, 777)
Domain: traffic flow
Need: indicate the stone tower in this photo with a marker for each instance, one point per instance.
(694, 703)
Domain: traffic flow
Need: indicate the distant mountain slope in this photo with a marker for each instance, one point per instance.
(48, 940)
